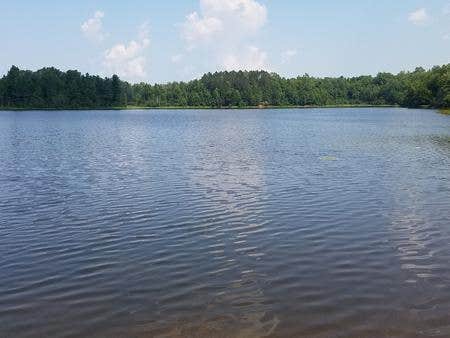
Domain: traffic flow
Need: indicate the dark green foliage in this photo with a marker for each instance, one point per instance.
(51, 88)
(224, 89)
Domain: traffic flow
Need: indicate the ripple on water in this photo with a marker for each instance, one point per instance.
(286, 223)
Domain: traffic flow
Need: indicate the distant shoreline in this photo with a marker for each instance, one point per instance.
(52, 89)
(442, 110)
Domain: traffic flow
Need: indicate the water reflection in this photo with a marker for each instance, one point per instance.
(226, 167)
(414, 228)
(225, 223)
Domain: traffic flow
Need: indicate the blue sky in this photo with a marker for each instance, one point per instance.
(161, 41)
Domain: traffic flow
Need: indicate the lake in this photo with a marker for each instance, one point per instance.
(225, 223)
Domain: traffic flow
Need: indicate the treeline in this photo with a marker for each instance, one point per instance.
(51, 88)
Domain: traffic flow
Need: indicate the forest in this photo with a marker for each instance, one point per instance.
(50, 88)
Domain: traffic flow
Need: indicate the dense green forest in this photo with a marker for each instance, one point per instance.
(52, 88)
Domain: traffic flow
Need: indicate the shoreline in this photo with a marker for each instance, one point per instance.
(445, 111)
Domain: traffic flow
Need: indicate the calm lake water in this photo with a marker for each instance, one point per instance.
(279, 223)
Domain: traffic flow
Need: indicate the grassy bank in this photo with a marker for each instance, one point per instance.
(266, 107)
(131, 107)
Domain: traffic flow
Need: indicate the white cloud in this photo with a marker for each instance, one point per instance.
(198, 29)
(128, 59)
(249, 14)
(419, 16)
(176, 58)
(287, 55)
(446, 9)
(144, 33)
(250, 58)
(219, 17)
(224, 30)
(92, 28)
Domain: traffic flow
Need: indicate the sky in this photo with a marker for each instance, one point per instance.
(178, 40)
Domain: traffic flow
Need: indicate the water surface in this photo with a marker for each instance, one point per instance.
(279, 223)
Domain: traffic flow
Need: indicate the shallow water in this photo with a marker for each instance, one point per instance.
(280, 223)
